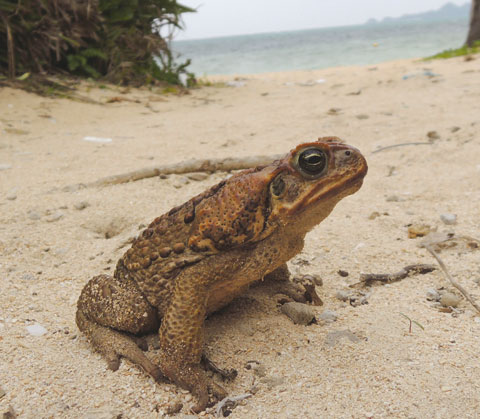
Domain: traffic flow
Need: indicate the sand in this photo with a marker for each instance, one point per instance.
(52, 240)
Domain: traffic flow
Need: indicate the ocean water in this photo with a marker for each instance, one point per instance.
(321, 48)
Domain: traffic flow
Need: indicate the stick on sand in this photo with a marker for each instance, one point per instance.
(189, 166)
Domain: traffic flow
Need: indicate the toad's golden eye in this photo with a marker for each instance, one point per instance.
(312, 161)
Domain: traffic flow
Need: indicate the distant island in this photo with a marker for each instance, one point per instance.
(446, 12)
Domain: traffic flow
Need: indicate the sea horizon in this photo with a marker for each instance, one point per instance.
(319, 48)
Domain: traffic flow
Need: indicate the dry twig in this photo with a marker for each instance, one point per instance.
(450, 278)
(367, 279)
(388, 147)
(189, 166)
(230, 403)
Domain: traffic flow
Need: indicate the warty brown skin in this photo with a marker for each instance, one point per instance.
(201, 255)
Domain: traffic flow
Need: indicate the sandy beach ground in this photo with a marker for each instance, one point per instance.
(366, 364)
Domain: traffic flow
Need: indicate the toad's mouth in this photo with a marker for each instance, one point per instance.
(330, 192)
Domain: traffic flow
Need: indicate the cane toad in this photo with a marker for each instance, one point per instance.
(202, 254)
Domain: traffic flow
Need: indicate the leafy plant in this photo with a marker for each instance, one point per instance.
(451, 53)
(117, 40)
(412, 322)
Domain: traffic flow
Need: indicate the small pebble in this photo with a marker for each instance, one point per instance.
(342, 295)
(362, 116)
(418, 230)
(260, 370)
(273, 381)
(334, 111)
(335, 336)
(81, 205)
(433, 135)
(342, 273)
(174, 408)
(54, 217)
(60, 251)
(359, 246)
(9, 414)
(36, 329)
(449, 300)
(12, 194)
(28, 277)
(393, 198)
(5, 166)
(433, 295)
(299, 313)
(374, 215)
(102, 413)
(328, 316)
(99, 140)
(72, 188)
(180, 182)
(197, 176)
(33, 215)
(16, 131)
(454, 129)
(449, 219)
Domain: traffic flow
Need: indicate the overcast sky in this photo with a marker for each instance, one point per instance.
(235, 17)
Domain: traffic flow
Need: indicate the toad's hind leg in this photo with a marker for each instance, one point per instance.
(107, 307)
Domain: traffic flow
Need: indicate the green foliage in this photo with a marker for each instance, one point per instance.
(117, 40)
(459, 52)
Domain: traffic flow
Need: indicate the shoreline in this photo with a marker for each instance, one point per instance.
(53, 240)
(322, 48)
(301, 72)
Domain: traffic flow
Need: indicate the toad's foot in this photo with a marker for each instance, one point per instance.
(226, 374)
(301, 289)
(194, 379)
(308, 283)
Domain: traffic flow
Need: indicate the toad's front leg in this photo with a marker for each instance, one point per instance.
(182, 338)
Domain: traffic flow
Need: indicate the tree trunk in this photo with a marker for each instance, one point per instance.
(474, 32)
(10, 48)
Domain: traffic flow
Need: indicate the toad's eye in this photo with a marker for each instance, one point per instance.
(312, 161)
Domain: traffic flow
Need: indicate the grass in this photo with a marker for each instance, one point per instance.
(204, 82)
(459, 52)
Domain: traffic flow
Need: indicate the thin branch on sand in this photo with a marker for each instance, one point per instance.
(388, 147)
(189, 166)
(449, 277)
(367, 279)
